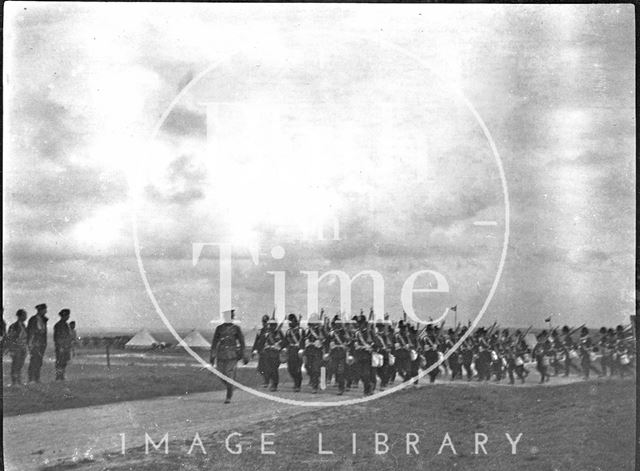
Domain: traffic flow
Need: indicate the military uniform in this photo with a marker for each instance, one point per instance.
(338, 350)
(454, 363)
(542, 362)
(294, 343)
(467, 359)
(37, 341)
(385, 348)
(63, 341)
(227, 347)
(403, 352)
(431, 358)
(258, 349)
(363, 346)
(313, 352)
(16, 344)
(272, 346)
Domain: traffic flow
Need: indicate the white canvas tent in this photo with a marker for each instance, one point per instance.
(142, 339)
(194, 339)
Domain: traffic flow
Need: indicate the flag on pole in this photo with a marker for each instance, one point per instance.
(548, 319)
(454, 308)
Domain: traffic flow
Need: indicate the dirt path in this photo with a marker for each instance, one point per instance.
(83, 434)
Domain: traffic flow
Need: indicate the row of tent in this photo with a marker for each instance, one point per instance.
(144, 339)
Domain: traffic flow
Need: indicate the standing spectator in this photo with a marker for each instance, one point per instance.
(3, 333)
(16, 344)
(62, 340)
(37, 341)
(74, 338)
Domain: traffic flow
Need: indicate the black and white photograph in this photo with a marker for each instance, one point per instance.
(318, 236)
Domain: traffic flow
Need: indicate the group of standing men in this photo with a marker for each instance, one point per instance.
(21, 339)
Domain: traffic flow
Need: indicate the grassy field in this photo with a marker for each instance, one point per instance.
(581, 426)
(90, 382)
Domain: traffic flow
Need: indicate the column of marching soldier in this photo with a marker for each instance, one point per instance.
(20, 340)
(375, 353)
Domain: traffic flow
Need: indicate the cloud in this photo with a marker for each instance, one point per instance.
(372, 140)
(183, 122)
(184, 183)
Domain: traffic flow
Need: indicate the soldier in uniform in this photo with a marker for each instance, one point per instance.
(385, 346)
(403, 351)
(585, 349)
(570, 352)
(3, 333)
(351, 373)
(467, 359)
(431, 358)
(414, 352)
(272, 346)
(338, 349)
(483, 361)
(62, 341)
(539, 353)
(37, 341)
(363, 347)
(510, 357)
(258, 349)
(313, 352)
(454, 361)
(227, 347)
(16, 344)
(294, 343)
(623, 357)
(556, 352)
(74, 337)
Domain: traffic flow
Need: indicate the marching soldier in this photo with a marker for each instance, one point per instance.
(338, 349)
(454, 361)
(37, 341)
(62, 341)
(294, 343)
(483, 361)
(556, 352)
(272, 346)
(403, 351)
(227, 347)
(351, 374)
(385, 347)
(510, 357)
(258, 349)
(431, 358)
(623, 358)
(363, 347)
(570, 353)
(540, 355)
(414, 353)
(16, 344)
(313, 352)
(467, 359)
(496, 363)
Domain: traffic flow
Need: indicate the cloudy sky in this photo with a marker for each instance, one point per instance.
(300, 115)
